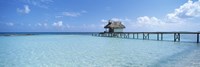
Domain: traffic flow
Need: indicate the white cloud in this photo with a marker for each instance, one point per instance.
(146, 23)
(71, 14)
(29, 24)
(58, 24)
(10, 24)
(42, 25)
(149, 21)
(58, 17)
(116, 19)
(188, 10)
(24, 10)
(45, 24)
(182, 18)
(123, 20)
(39, 24)
(89, 26)
(104, 21)
(39, 3)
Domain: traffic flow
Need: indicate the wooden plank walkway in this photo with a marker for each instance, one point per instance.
(145, 35)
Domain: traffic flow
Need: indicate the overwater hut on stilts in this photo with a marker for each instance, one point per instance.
(114, 26)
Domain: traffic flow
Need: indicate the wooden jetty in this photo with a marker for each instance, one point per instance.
(115, 29)
(145, 35)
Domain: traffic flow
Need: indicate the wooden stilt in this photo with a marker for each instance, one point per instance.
(120, 35)
(161, 36)
(158, 36)
(143, 36)
(124, 35)
(174, 37)
(197, 37)
(128, 35)
(179, 37)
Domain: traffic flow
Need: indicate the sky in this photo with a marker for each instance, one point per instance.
(92, 15)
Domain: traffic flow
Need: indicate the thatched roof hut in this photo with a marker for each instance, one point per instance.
(115, 26)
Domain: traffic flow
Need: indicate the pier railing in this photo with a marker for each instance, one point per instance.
(145, 35)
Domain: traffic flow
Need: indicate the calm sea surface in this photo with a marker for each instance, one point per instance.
(90, 51)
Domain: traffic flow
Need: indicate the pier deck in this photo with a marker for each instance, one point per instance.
(145, 35)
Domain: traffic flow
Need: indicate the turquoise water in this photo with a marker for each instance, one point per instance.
(91, 51)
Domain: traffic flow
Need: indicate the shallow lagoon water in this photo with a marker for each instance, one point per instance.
(91, 51)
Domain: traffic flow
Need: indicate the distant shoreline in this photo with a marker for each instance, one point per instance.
(43, 33)
(16, 34)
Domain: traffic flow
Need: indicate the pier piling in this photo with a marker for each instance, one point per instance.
(198, 38)
(161, 36)
(146, 35)
(158, 36)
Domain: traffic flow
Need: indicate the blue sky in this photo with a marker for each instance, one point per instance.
(92, 15)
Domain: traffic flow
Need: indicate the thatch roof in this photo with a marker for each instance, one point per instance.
(114, 24)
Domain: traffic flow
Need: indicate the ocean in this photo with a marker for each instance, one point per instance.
(84, 50)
